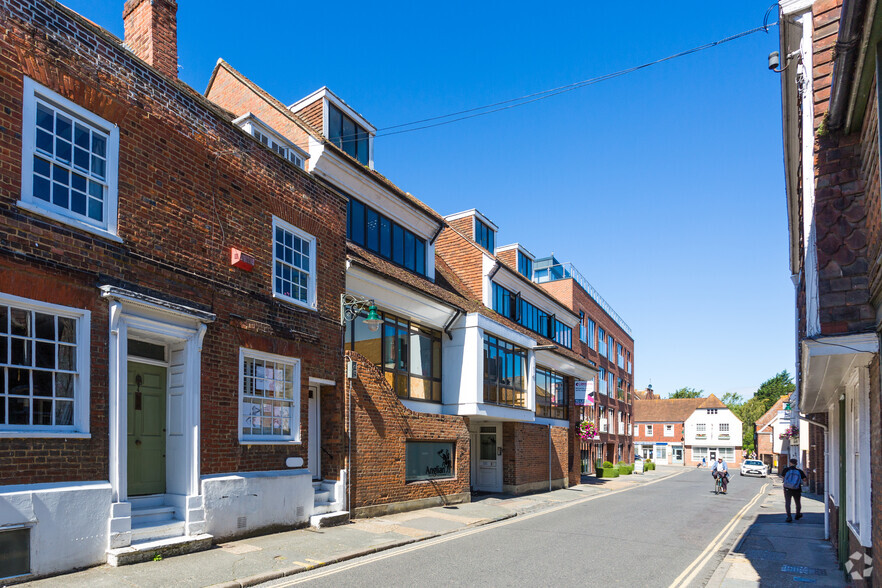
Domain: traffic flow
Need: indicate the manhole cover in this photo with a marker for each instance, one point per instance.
(764, 554)
(803, 570)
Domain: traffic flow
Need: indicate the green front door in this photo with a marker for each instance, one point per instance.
(146, 459)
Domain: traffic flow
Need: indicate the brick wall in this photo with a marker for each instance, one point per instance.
(658, 433)
(230, 90)
(381, 428)
(527, 460)
(186, 195)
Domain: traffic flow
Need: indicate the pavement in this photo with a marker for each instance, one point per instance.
(772, 552)
(255, 560)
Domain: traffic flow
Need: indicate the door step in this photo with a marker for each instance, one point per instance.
(152, 514)
(155, 530)
(330, 519)
(151, 550)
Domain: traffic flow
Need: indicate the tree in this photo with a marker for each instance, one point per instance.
(686, 393)
(776, 387)
(732, 400)
(769, 392)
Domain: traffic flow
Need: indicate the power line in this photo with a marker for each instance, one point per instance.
(537, 96)
(542, 95)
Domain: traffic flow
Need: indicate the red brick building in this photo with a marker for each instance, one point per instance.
(830, 100)
(169, 303)
(606, 340)
(687, 431)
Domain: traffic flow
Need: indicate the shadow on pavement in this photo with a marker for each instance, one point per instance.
(773, 552)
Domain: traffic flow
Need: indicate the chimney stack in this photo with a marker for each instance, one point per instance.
(152, 33)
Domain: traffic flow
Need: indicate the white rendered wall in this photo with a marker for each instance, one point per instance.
(68, 521)
(266, 499)
(712, 428)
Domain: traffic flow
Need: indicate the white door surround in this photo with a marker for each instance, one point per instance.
(181, 329)
(486, 439)
(313, 436)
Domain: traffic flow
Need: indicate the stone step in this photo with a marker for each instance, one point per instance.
(322, 496)
(331, 519)
(154, 531)
(139, 502)
(148, 550)
(326, 507)
(153, 514)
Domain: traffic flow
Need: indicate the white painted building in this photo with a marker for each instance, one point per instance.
(713, 431)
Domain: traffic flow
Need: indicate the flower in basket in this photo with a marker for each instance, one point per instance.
(587, 430)
(792, 432)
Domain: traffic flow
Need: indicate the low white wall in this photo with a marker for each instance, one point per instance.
(68, 522)
(265, 499)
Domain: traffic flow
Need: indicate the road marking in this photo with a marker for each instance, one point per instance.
(699, 562)
(456, 535)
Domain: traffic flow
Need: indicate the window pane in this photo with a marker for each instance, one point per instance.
(426, 460)
(357, 222)
(389, 345)
(409, 250)
(420, 354)
(349, 137)
(363, 147)
(420, 256)
(386, 237)
(373, 230)
(366, 342)
(335, 125)
(398, 244)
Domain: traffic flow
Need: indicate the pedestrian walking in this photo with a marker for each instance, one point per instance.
(793, 477)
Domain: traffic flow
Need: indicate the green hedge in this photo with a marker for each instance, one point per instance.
(606, 464)
(625, 470)
(647, 466)
(607, 472)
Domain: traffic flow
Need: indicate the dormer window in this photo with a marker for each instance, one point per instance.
(269, 138)
(348, 135)
(485, 236)
(525, 265)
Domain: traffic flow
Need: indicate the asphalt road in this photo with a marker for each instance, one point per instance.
(645, 536)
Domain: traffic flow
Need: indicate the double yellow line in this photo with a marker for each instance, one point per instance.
(705, 556)
(455, 535)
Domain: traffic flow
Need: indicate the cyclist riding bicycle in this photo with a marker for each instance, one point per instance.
(721, 470)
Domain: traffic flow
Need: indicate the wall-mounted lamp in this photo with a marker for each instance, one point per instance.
(352, 306)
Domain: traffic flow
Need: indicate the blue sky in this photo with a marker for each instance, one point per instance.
(664, 187)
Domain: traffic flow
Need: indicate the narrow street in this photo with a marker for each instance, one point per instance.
(646, 536)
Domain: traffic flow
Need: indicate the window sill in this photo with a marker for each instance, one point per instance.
(44, 435)
(269, 442)
(295, 302)
(70, 221)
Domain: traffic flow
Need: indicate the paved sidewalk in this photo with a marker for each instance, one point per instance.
(772, 552)
(255, 560)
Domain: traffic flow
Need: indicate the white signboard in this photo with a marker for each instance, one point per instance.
(638, 466)
(584, 395)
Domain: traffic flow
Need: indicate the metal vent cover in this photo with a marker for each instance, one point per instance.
(241, 522)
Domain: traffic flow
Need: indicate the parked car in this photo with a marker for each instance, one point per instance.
(754, 467)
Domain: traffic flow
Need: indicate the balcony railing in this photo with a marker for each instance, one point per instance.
(567, 270)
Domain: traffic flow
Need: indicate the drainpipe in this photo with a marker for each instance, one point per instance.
(846, 51)
(826, 470)
(549, 458)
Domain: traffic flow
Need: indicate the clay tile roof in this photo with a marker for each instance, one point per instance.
(712, 402)
(772, 412)
(667, 410)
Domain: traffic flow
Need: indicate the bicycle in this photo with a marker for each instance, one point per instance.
(718, 484)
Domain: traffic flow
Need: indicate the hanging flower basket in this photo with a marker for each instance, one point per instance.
(587, 430)
(791, 433)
